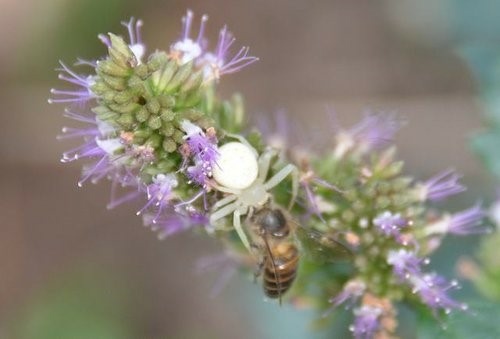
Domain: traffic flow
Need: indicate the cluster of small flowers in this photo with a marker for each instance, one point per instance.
(119, 158)
(397, 235)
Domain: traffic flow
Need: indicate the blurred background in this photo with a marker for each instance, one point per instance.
(69, 268)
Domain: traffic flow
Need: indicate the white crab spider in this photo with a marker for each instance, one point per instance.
(242, 173)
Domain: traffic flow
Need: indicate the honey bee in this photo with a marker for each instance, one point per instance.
(280, 254)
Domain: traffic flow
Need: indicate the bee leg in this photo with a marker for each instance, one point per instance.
(258, 270)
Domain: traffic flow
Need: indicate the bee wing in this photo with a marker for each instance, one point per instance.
(321, 246)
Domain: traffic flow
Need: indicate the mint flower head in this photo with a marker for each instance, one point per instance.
(144, 121)
(345, 229)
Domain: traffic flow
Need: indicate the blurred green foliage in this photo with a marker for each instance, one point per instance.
(78, 305)
(480, 322)
(73, 36)
(484, 61)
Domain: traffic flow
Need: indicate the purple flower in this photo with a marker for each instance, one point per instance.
(202, 148)
(159, 194)
(135, 41)
(174, 221)
(108, 164)
(367, 322)
(99, 145)
(316, 205)
(220, 62)
(198, 174)
(352, 291)
(80, 95)
(185, 48)
(432, 290)
(441, 186)
(466, 222)
(373, 132)
(126, 180)
(405, 264)
(390, 224)
(216, 63)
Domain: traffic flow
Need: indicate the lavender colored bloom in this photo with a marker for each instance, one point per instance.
(174, 221)
(220, 62)
(315, 204)
(432, 290)
(216, 63)
(107, 165)
(405, 264)
(375, 131)
(367, 322)
(202, 146)
(127, 180)
(466, 222)
(98, 144)
(185, 48)
(198, 174)
(351, 292)
(135, 40)
(159, 194)
(441, 186)
(78, 96)
(203, 149)
(390, 224)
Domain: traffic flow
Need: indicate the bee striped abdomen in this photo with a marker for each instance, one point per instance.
(278, 278)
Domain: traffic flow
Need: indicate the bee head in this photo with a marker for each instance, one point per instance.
(273, 222)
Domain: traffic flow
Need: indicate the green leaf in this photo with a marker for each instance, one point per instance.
(481, 322)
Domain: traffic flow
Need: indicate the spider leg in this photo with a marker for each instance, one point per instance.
(280, 176)
(226, 189)
(222, 212)
(225, 201)
(264, 164)
(243, 141)
(239, 230)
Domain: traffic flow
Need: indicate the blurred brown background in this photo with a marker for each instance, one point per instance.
(65, 261)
